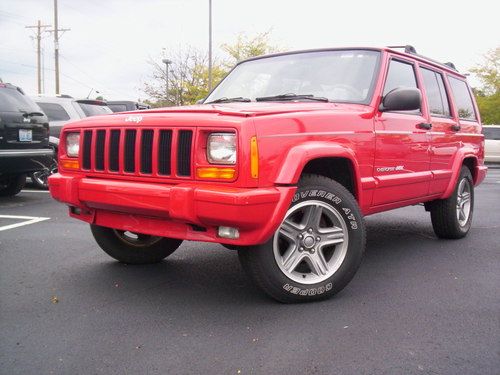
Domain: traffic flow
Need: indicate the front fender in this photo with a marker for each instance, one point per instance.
(298, 156)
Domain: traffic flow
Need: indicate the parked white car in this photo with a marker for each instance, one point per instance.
(62, 109)
(492, 143)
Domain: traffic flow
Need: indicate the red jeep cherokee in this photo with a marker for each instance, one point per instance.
(281, 162)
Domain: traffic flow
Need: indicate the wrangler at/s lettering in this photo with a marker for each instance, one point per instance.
(281, 162)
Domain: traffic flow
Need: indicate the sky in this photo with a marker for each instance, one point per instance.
(111, 40)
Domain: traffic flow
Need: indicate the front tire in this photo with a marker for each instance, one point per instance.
(133, 248)
(316, 250)
(452, 217)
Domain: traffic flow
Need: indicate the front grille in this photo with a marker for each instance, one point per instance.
(153, 152)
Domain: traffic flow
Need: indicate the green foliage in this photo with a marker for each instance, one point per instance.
(188, 73)
(488, 96)
(246, 47)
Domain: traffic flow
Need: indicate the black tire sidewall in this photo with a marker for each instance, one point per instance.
(116, 248)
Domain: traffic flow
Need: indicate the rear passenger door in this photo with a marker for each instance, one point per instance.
(444, 143)
(402, 144)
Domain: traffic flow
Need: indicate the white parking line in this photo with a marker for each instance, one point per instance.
(35, 191)
(28, 220)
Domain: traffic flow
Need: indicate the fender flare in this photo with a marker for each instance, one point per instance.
(297, 157)
(461, 155)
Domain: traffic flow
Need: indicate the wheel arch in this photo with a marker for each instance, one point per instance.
(330, 160)
(463, 158)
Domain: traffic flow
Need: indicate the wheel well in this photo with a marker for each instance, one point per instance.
(471, 164)
(338, 169)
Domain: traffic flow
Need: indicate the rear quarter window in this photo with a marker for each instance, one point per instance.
(463, 99)
(55, 112)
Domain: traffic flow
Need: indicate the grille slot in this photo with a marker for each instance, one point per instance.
(87, 145)
(114, 151)
(130, 136)
(99, 150)
(164, 152)
(146, 151)
(184, 152)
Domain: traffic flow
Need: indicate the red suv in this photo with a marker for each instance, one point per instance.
(281, 163)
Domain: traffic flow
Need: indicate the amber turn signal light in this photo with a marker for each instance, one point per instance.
(216, 173)
(70, 163)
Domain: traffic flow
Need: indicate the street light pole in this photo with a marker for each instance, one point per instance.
(209, 45)
(167, 62)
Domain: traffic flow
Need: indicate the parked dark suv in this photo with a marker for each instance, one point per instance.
(24, 139)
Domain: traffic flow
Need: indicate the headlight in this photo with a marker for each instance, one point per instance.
(221, 148)
(73, 144)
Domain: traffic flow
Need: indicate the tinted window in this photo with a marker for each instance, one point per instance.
(435, 93)
(400, 75)
(11, 100)
(94, 109)
(54, 112)
(117, 107)
(463, 100)
(491, 133)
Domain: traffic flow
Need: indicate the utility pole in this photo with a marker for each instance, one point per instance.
(209, 45)
(56, 46)
(167, 62)
(39, 28)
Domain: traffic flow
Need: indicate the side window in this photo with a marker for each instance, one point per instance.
(400, 74)
(463, 100)
(435, 93)
(54, 112)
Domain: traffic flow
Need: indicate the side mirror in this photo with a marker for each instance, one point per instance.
(401, 99)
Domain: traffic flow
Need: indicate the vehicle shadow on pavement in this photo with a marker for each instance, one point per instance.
(210, 275)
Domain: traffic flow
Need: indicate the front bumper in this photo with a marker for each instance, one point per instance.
(186, 211)
(16, 161)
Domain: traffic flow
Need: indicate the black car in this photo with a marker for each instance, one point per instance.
(126, 105)
(24, 139)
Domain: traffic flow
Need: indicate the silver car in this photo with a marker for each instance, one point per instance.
(492, 143)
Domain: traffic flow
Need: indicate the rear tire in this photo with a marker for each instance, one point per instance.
(11, 185)
(316, 250)
(133, 248)
(452, 217)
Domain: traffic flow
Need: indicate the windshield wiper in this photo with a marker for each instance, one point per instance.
(27, 114)
(229, 100)
(291, 96)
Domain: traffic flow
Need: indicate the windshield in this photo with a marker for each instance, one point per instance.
(94, 109)
(12, 100)
(340, 76)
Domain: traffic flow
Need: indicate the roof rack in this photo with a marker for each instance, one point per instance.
(412, 51)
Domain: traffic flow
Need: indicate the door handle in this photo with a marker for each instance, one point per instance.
(455, 127)
(424, 125)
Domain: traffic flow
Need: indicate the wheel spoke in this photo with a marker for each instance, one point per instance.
(318, 263)
(312, 216)
(289, 230)
(292, 258)
(332, 236)
(464, 198)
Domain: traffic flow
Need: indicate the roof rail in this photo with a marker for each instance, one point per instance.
(412, 51)
(408, 48)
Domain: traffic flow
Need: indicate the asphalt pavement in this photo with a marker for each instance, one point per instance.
(418, 305)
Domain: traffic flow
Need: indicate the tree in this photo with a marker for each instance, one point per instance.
(188, 73)
(246, 47)
(488, 96)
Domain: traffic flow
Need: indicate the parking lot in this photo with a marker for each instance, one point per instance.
(418, 305)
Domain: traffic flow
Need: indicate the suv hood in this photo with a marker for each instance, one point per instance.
(215, 113)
